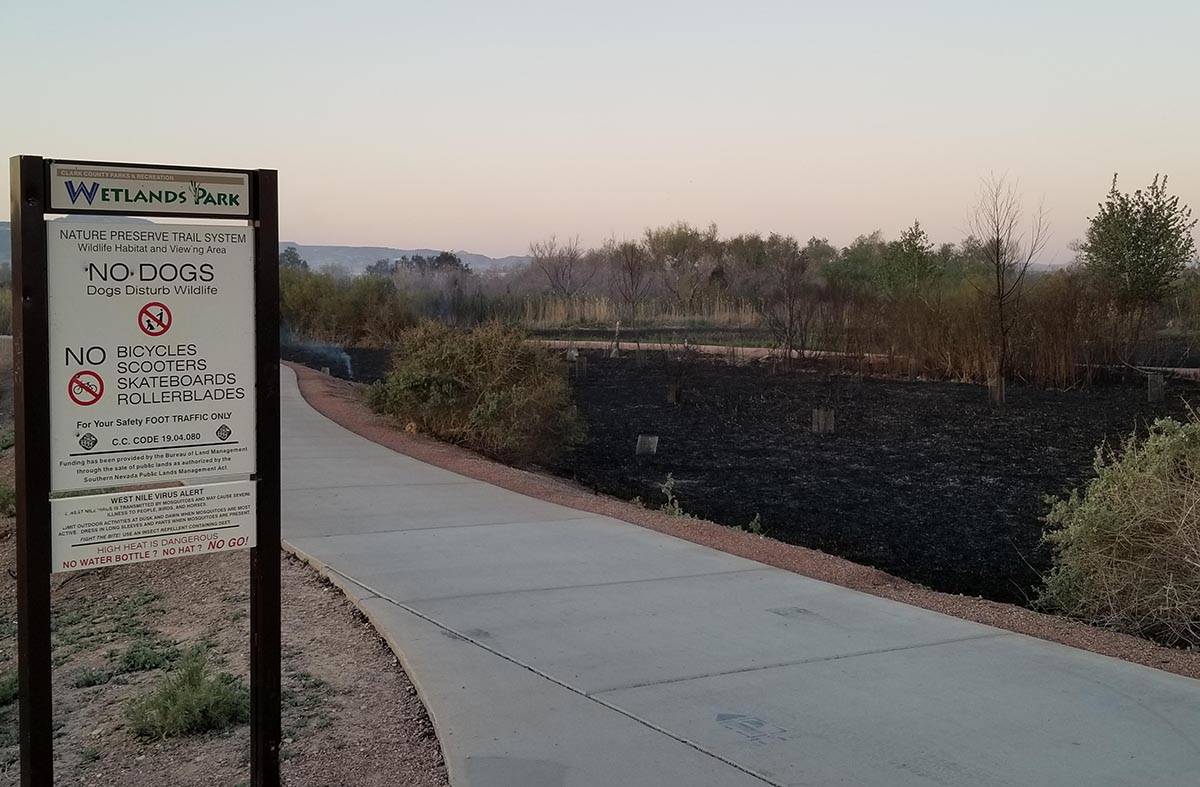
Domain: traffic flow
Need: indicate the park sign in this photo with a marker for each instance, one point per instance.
(112, 188)
(146, 399)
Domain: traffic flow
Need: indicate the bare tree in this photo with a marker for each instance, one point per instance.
(1008, 249)
(565, 266)
(785, 294)
(631, 269)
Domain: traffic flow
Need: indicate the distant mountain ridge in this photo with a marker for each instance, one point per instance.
(353, 258)
(357, 258)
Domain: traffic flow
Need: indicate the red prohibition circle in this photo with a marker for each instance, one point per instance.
(154, 318)
(85, 388)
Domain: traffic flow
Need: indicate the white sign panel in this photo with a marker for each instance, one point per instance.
(136, 526)
(151, 353)
(94, 187)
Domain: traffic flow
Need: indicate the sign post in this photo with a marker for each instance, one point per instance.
(146, 370)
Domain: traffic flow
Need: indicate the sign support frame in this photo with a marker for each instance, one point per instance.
(31, 415)
(265, 579)
(29, 204)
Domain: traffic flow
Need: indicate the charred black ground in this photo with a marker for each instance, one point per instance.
(362, 364)
(921, 479)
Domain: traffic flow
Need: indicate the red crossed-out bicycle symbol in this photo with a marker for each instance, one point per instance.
(85, 388)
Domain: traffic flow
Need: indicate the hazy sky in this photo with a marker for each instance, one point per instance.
(484, 125)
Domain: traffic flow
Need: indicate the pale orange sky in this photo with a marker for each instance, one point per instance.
(478, 127)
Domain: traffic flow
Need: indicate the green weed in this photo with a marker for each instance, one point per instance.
(89, 676)
(8, 501)
(191, 700)
(146, 653)
(303, 698)
(9, 687)
(672, 506)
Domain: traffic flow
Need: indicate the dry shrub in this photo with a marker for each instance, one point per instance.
(549, 311)
(1127, 548)
(488, 389)
(1066, 332)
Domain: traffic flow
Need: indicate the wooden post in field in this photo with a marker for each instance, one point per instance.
(822, 420)
(996, 391)
(1156, 387)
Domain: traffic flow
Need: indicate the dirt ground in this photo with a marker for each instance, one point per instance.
(350, 714)
(923, 480)
(343, 403)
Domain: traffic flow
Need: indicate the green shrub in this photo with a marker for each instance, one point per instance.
(191, 700)
(8, 501)
(146, 654)
(10, 687)
(1127, 547)
(488, 389)
(88, 677)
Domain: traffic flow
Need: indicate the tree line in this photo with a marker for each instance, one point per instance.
(978, 309)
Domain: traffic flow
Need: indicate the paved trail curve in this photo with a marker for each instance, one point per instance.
(554, 647)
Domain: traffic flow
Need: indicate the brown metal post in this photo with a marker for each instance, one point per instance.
(264, 558)
(31, 410)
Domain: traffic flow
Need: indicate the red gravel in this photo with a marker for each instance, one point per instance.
(341, 402)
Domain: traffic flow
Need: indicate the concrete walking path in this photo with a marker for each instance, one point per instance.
(556, 647)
